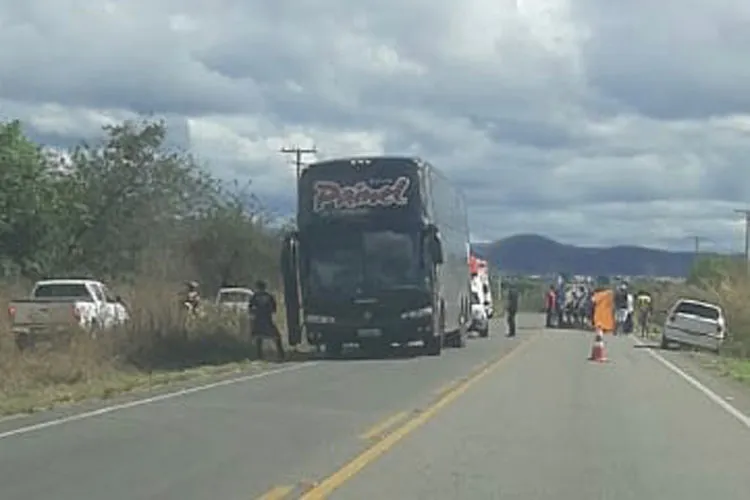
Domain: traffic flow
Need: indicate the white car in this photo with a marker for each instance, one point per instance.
(234, 299)
(480, 321)
(695, 323)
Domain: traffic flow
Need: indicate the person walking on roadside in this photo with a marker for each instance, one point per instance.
(192, 298)
(621, 308)
(511, 309)
(262, 307)
(549, 305)
(644, 308)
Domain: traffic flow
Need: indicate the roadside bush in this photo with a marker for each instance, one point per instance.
(144, 220)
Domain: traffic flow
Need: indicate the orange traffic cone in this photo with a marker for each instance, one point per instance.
(598, 350)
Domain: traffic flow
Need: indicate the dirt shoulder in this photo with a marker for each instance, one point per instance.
(115, 383)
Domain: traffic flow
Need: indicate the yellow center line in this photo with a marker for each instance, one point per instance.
(276, 493)
(323, 489)
(449, 386)
(446, 387)
(382, 426)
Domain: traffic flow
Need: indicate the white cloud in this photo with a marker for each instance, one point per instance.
(589, 121)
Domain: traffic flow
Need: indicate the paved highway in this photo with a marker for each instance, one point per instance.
(504, 418)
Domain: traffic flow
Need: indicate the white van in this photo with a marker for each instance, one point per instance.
(695, 323)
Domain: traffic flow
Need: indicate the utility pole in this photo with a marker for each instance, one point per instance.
(746, 214)
(298, 152)
(697, 242)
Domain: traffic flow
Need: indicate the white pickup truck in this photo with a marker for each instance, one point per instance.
(57, 305)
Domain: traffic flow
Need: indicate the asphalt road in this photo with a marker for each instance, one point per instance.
(504, 418)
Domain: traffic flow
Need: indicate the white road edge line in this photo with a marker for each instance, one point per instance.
(146, 401)
(744, 419)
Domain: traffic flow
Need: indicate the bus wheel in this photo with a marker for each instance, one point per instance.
(458, 338)
(433, 345)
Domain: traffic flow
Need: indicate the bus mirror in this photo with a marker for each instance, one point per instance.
(432, 243)
(436, 248)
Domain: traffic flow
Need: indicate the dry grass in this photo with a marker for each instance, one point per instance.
(732, 292)
(157, 347)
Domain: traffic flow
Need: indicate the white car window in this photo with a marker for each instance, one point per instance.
(62, 290)
(696, 309)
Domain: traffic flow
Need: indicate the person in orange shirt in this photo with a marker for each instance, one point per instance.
(604, 314)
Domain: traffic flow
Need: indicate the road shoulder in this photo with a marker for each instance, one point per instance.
(698, 365)
(97, 406)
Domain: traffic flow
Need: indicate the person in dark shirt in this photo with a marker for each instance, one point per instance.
(511, 309)
(262, 307)
(621, 308)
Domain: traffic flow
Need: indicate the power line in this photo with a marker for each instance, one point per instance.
(298, 152)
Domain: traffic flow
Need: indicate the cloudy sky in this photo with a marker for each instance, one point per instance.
(589, 121)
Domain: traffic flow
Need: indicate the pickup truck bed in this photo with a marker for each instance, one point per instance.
(59, 307)
(43, 319)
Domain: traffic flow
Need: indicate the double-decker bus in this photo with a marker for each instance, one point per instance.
(380, 256)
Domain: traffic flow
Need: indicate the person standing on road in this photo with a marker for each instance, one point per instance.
(621, 308)
(262, 307)
(549, 305)
(560, 301)
(511, 309)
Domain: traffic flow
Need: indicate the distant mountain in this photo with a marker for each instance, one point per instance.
(531, 254)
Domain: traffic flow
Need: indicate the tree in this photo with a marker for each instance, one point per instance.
(124, 207)
(30, 206)
(131, 193)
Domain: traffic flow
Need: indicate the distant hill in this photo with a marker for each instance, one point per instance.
(533, 254)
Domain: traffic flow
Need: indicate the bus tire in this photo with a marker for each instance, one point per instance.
(433, 346)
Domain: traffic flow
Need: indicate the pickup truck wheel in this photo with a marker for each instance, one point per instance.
(24, 341)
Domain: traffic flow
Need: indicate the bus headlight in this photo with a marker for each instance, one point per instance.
(418, 313)
(319, 320)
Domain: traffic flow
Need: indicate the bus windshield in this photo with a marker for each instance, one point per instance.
(351, 262)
